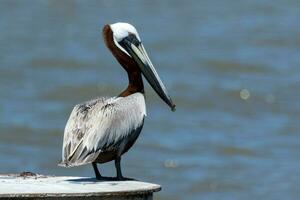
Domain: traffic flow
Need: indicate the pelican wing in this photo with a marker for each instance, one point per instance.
(100, 125)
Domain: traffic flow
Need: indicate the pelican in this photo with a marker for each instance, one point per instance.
(103, 129)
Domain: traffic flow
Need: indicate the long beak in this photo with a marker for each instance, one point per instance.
(139, 54)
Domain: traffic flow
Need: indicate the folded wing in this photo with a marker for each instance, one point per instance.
(100, 125)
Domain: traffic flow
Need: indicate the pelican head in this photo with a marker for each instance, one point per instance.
(127, 39)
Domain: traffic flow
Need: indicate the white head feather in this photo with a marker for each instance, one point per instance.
(120, 31)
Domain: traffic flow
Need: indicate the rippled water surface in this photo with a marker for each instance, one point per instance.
(232, 68)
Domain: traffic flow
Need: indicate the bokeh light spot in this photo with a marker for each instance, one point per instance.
(244, 94)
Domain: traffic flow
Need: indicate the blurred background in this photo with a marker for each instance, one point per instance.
(232, 68)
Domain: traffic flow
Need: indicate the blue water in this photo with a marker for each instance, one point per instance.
(232, 68)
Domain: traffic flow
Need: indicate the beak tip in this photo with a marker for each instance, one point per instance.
(173, 107)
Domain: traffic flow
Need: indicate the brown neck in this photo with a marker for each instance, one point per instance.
(130, 66)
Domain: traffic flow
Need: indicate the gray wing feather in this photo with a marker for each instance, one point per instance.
(99, 125)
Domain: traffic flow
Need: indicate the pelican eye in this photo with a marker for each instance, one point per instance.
(130, 39)
(133, 39)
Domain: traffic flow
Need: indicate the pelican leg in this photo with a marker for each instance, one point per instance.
(97, 173)
(118, 168)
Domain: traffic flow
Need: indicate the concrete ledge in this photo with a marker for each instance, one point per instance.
(32, 186)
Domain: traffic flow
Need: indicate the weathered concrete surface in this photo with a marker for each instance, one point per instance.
(31, 186)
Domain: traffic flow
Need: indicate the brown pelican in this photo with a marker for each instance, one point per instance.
(103, 129)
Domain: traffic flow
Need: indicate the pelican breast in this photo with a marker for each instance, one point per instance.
(101, 126)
